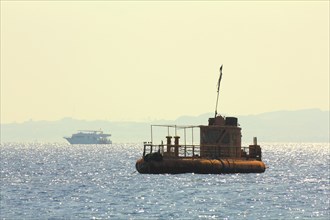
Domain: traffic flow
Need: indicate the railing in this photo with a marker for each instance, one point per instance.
(191, 151)
(186, 150)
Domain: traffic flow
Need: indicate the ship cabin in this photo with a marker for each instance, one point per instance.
(220, 139)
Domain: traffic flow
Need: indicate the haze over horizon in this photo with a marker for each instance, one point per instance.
(151, 120)
(309, 125)
(142, 61)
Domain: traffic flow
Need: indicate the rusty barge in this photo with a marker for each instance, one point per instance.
(219, 150)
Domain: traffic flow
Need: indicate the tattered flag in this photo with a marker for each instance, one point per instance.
(219, 78)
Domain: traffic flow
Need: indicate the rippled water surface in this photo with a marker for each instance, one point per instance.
(59, 181)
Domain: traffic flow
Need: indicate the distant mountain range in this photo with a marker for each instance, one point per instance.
(309, 125)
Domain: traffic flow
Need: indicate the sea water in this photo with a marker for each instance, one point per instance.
(60, 181)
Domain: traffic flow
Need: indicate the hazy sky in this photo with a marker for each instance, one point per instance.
(160, 60)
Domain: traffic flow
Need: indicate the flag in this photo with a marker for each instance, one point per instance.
(219, 78)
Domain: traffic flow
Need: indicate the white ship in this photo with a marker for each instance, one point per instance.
(89, 137)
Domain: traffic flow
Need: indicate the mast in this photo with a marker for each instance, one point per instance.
(216, 105)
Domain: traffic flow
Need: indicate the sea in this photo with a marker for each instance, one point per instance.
(61, 181)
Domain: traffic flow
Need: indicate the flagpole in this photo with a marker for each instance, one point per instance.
(216, 105)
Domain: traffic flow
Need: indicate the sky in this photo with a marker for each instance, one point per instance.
(153, 60)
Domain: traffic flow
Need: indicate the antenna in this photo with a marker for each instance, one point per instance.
(216, 105)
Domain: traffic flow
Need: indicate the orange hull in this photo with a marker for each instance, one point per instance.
(198, 165)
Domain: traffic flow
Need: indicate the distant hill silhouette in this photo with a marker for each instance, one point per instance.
(309, 125)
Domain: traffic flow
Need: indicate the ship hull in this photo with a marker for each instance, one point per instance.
(87, 141)
(200, 166)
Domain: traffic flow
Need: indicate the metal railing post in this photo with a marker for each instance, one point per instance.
(151, 134)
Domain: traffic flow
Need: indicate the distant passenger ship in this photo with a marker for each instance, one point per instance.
(89, 137)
